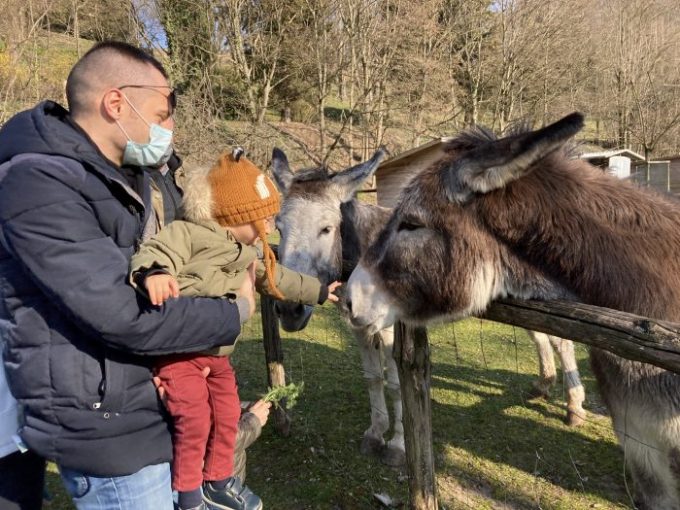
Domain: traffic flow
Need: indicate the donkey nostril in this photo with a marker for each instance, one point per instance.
(349, 306)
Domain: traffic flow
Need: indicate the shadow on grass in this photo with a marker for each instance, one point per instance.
(507, 428)
(485, 432)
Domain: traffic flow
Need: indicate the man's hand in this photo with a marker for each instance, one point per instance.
(161, 389)
(247, 289)
(161, 287)
(331, 289)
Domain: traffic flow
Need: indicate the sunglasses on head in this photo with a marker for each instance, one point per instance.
(172, 96)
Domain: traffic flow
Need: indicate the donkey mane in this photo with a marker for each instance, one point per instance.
(478, 135)
(471, 138)
(309, 182)
(311, 175)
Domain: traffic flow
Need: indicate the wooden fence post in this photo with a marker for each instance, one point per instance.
(273, 353)
(412, 354)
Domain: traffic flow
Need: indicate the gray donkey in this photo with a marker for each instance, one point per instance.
(321, 223)
(515, 216)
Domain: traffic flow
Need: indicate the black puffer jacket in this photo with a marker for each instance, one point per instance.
(78, 339)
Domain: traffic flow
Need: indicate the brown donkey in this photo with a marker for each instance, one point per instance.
(517, 217)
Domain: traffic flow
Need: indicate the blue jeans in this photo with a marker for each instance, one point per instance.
(147, 489)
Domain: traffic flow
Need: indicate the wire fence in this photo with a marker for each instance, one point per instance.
(327, 331)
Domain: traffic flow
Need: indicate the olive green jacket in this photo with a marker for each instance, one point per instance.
(207, 261)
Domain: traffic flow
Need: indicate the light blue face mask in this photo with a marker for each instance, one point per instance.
(154, 153)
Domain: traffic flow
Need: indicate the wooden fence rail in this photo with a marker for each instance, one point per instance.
(628, 335)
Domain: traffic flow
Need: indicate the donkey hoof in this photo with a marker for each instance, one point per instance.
(371, 446)
(536, 391)
(393, 457)
(575, 418)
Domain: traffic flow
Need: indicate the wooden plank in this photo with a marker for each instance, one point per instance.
(412, 354)
(628, 335)
(273, 353)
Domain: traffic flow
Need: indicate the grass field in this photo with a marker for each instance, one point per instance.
(494, 449)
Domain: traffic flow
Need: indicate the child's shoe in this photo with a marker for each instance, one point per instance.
(199, 507)
(234, 496)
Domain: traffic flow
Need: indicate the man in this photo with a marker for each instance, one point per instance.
(79, 341)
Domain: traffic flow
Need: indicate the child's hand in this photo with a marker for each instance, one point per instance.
(161, 287)
(261, 410)
(331, 288)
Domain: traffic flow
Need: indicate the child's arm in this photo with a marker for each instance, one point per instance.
(161, 287)
(295, 287)
(162, 255)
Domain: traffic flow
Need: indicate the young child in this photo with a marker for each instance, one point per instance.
(212, 253)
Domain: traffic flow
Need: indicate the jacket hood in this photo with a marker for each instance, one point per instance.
(46, 129)
(198, 196)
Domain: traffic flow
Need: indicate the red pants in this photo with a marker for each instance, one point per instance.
(206, 413)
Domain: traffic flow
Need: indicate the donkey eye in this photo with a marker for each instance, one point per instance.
(325, 230)
(409, 226)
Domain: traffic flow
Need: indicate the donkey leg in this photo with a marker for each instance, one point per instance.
(647, 430)
(546, 362)
(576, 394)
(655, 485)
(395, 452)
(373, 442)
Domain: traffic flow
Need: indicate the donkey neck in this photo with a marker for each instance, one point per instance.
(606, 242)
(360, 225)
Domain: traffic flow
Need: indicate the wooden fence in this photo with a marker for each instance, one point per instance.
(627, 335)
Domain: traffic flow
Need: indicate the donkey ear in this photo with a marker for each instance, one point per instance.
(495, 164)
(281, 170)
(348, 181)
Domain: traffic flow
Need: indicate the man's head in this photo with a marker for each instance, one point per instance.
(115, 92)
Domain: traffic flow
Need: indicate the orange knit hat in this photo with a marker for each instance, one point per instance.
(243, 194)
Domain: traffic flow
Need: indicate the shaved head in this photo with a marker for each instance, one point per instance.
(107, 65)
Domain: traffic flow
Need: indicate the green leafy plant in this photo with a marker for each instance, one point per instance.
(289, 393)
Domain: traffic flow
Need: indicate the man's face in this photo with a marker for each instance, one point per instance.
(151, 100)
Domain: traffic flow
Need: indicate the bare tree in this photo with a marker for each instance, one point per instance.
(320, 33)
(190, 34)
(469, 27)
(655, 80)
(253, 34)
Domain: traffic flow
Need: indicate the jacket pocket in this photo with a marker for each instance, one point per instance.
(112, 386)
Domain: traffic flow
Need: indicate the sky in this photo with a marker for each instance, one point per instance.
(148, 15)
